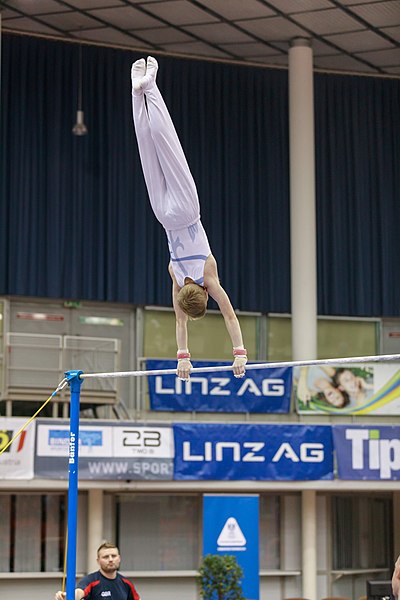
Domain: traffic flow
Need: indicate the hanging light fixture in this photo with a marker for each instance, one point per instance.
(80, 128)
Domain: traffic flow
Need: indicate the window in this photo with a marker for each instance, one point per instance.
(362, 527)
(159, 532)
(270, 535)
(159, 340)
(32, 532)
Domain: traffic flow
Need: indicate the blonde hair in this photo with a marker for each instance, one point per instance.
(192, 299)
(106, 546)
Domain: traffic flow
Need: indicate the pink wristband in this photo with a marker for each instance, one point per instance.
(239, 352)
(180, 355)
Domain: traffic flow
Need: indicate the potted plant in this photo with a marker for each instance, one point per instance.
(220, 578)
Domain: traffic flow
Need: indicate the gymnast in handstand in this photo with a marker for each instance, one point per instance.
(173, 197)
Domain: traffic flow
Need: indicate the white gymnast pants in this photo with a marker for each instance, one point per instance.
(170, 184)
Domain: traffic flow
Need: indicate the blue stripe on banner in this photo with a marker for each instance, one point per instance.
(252, 452)
(261, 391)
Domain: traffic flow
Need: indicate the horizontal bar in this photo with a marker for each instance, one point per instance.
(252, 366)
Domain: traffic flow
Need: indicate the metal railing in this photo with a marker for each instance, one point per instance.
(33, 364)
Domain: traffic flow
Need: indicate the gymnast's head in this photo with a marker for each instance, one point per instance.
(192, 299)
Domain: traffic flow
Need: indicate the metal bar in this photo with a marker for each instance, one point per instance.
(270, 365)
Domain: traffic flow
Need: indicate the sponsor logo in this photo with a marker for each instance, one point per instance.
(231, 536)
(106, 594)
(237, 451)
(143, 442)
(219, 386)
(141, 439)
(7, 435)
(308, 452)
(72, 444)
(60, 438)
(369, 451)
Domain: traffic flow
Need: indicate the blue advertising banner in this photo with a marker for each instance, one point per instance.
(261, 391)
(367, 452)
(230, 526)
(252, 452)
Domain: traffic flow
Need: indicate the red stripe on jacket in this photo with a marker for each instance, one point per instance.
(89, 587)
(134, 592)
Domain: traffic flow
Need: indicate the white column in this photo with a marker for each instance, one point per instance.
(302, 201)
(95, 527)
(309, 544)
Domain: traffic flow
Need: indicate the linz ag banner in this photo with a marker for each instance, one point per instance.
(260, 391)
(252, 452)
(367, 452)
(111, 451)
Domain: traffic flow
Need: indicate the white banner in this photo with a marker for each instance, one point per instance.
(17, 461)
(142, 442)
(356, 389)
(106, 450)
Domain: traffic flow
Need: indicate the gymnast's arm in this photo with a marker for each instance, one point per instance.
(216, 291)
(184, 364)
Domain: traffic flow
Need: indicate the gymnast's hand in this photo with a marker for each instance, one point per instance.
(239, 362)
(60, 595)
(184, 366)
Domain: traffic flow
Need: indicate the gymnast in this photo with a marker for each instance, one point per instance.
(173, 197)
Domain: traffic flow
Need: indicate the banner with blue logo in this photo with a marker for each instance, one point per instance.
(260, 391)
(231, 526)
(107, 450)
(367, 452)
(252, 452)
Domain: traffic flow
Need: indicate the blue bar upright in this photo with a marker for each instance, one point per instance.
(75, 382)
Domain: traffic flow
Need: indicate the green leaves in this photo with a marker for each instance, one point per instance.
(220, 578)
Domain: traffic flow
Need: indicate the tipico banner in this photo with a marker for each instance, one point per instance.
(261, 391)
(252, 452)
(16, 462)
(107, 450)
(354, 389)
(367, 452)
(231, 526)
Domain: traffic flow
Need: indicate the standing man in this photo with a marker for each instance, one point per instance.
(173, 198)
(107, 582)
